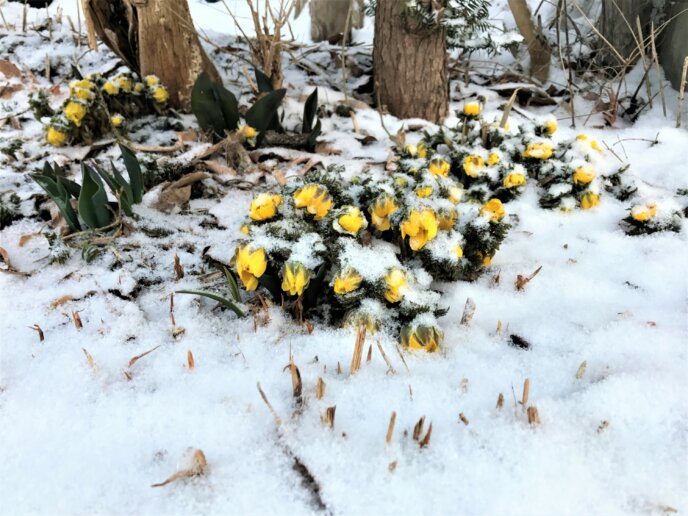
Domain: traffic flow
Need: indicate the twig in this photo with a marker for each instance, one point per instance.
(682, 92)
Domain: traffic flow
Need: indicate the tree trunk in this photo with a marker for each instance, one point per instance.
(538, 48)
(617, 24)
(153, 37)
(328, 18)
(411, 76)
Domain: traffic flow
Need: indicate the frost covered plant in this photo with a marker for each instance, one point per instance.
(366, 251)
(97, 105)
(647, 218)
(492, 161)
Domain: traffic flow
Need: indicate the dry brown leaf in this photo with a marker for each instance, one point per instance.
(77, 320)
(9, 90)
(139, 357)
(581, 369)
(9, 69)
(178, 270)
(324, 148)
(61, 301)
(198, 466)
(190, 360)
(90, 360)
(37, 329)
(188, 136)
(328, 417)
(218, 168)
(5, 257)
(25, 238)
(320, 388)
(522, 281)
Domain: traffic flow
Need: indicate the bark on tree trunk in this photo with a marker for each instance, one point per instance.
(153, 37)
(614, 23)
(411, 76)
(538, 48)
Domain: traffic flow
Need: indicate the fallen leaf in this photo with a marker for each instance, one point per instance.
(198, 466)
(9, 69)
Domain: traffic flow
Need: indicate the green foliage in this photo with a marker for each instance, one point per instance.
(215, 107)
(93, 203)
(263, 114)
(233, 302)
(61, 190)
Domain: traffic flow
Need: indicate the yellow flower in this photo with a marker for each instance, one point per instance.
(248, 131)
(250, 265)
(494, 208)
(400, 181)
(447, 219)
(138, 87)
(458, 251)
(589, 200)
(411, 150)
(540, 150)
(381, 210)
(295, 278)
(358, 318)
(493, 159)
(56, 137)
(264, 206)
(160, 94)
(421, 227)
(455, 194)
(593, 143)
(315, 199)
(351, 221)
(347, 281)
(472, 165)
(471, 109)
(643, 213)
(151, 80)
(583, 175)
(76, 112)
(110, 88)
(487, 260)
(439, 167)
(124, 84)
(245, 228)
(550, 126)
(514, 180)
(395, 280)
(422, 150)
(116, 120)
(84, 84)
(424, 191)
(423, 337)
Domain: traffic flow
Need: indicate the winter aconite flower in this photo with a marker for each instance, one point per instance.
(583, 175)
(116, 120)
(458, 251)
(151, 80)
(424, 191)
(76, 112)
(421, 336)
(550, 126)
(347, 281)
(56, 137)
(248, 131)
(124, 84)
(471, 108)
(593, 143)
(589, 200)
(494, 209)
(81, 89)
(245, 229)
(250, 265)
(110, 88)
(416, 151)
(264, 206)
(380, 211)
(138, 87)
(472, 165)
(446, 219)
(643, 213)
(160, 94)
(539, 150)
(439, 167)
(395, 281)
(350, 221)
(315, 199)
(455, 194)
(295, 278)
(514, 180)
(421, 227)
(493, 159)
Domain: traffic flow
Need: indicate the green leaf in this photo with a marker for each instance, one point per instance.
(260, 116)
(228, 106)
(93, 203)
(205, 106)
(118, 185)
(133, 166)
(263, 81)
(231, 281)
(234, 307)
(55, 188)
(314, 135)
(310, 109)
(310, 295)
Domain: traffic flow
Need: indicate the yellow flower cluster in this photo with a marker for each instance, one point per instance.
(315, 199)
(381, 211)
(264, 206)
(420, 227)
(250, 265)
(644, 212)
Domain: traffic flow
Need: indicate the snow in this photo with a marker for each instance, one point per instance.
(79, 439)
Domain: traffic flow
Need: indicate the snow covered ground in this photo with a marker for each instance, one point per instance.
(90, 436)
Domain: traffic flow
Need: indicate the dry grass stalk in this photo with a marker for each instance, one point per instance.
(468, 312)
(499, 327)
(418, 428)
(655, 59)
(178, 270)
(581, 369)
(198, 466)
(174, 323)
(296, 384)
(278, 420)
(500, 401)
(533, 416)
(426, 440)
(682, 92)
(61, 301)
(37, 329)
(339, 368)
(139, 357)
(320, 388)
(603, 425)
(358, 350)
(385, 358)
(390, 428)
(463, 418)
(190, 360)
(370, 354)
(89, 359)
(401, 355)
(77, 320)
(526, 392)
(392, 466)
(522, 281)
(328, 417)
(507, 108)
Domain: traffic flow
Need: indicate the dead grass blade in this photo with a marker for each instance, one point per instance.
(358, 350)
(500, 401)
(526, 392)
(178, 270)
(139, 357)
(390, 428)
(581, 369)
(190, 360)
(385, 358)
(328, 417)
(320, 388)
(77, 320)
(533, 416)
(463, 419)
(37, 329)
(522, 281)
(468, 312)
(90, 360)
(198, 467)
